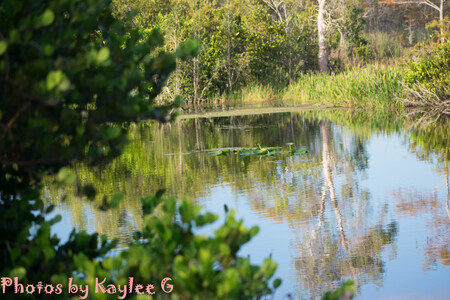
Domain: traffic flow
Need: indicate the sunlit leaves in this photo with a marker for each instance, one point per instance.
(57, 80)
(3, 47)
(65, 176)
(427, 79)
(47, 17)
(102, 55)
(209, 266)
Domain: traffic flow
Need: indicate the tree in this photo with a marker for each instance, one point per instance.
(59, 97)
(323, 55)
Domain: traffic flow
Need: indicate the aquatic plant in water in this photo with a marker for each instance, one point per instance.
(260, 151)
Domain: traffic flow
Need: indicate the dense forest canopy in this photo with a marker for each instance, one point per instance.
(247, 42)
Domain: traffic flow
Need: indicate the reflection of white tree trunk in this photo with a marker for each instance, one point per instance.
(322, 206)
(448, 189)
(329, 179)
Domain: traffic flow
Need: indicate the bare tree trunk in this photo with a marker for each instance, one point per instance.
(410, 37)
(323, 56)
(377, 13)
(177, 78)
(194, 79)
(343, 47)
(230, 79)
(441, 19)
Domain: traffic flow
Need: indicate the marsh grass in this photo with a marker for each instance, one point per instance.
(385, 45)
(258, 93)
(373, 86)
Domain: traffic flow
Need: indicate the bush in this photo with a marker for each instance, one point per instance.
(427, 78)
(195, 266)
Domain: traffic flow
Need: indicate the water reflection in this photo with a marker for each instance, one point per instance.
(343, 222)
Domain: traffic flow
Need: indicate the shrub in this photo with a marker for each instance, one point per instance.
(199, 267)
(427, 78)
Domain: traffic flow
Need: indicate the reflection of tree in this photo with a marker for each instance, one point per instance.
(329, 180)
(336, 235)
(326, 256)
(170, 156)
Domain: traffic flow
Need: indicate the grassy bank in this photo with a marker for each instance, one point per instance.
(373, 86)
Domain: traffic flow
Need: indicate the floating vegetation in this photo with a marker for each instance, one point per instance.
(260, 151)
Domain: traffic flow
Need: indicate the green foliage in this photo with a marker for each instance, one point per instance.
(373, 86)
(67, 70)
(428, 75)
(241, 43)
(199, 266)
(385, 46)
(354, 28)
(70, 76)
(260, 151)
(346, 291)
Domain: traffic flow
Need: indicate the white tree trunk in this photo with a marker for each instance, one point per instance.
(441, 19)
(323, 56)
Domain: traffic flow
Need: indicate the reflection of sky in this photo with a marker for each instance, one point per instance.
(391, 167)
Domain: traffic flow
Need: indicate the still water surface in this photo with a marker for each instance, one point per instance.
(368, 202)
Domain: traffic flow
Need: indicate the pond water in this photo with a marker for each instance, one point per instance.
(369, 201)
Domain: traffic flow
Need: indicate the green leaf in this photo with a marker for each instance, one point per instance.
(347, 289)
(112, 133)
(65, 177)
(20, 272)
(103, 55)
(48, 50)
(55, 220)
(223, 152)
(116, 200)
(276, 283)
(189, 48)
(3, 47)
(300, 152)
(57, 79)
(47, 17)
(178, 101)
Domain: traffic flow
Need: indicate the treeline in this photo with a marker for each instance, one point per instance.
(272, 42)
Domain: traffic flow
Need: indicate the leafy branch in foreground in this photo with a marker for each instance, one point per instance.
(67, 71)
(199, 267)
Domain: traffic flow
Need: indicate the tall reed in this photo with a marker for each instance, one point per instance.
(373, 86)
